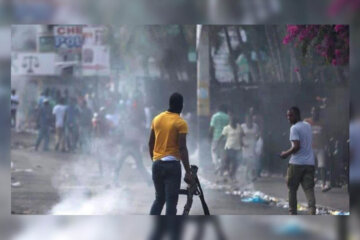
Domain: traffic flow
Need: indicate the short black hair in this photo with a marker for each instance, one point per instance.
(296, 111)
(223, 108)
(176, 102)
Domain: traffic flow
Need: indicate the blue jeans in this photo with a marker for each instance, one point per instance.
(166, 176)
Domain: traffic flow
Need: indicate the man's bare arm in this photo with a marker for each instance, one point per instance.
(294, 148)
(184, 155)
(151, 143)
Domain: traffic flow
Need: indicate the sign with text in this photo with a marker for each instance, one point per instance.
(68, 36)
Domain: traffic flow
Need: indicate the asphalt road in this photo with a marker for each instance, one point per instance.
(70, 183)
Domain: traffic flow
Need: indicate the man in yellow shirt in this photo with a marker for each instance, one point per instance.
(167, 147)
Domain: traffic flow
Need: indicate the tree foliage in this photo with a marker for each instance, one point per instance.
(331, 42)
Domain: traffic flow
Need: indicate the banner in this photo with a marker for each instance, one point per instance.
(94, 36)
(95, 61)
(68, 36)
(33, 64)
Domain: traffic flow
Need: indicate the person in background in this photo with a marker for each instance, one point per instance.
(60, 114)
(58, 96)
(233, 135)
(167, 147)
(85, 125)
(14, 103)
(259, 121)
(44, 122)
(131, 146)
(318, 145)
(72, 125)
(45, 95)
(218, 121)
(301, 169)
(259, 145)
(66, 96)
(250, 136)
(354, 172)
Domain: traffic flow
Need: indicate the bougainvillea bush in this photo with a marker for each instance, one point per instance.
(329, 41)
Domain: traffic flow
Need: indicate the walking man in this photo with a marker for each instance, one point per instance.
(318, 145)
(13, 107)
(301, 168)
(85, 126)
(72, 127)
(44, 121)
(233, 135)
(60, 111)
(218, 121)
(167, 146)
(250, 136)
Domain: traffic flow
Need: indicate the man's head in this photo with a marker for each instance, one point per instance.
(315, 113)
(176, 103)
(249, 120)
(293, 115)
(13, 91)
(223, 108)
(251, 111)
(233, 120)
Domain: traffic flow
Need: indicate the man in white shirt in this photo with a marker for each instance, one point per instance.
(60, 114)
(13, 107)
(233, 134)
(301, 169)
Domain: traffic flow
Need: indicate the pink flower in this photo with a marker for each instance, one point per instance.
(292, 28)
(334, 62)
(286, 39)
(337, 52)
(339, 28)
(296, 69)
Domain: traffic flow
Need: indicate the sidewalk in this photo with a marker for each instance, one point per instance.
(274, 187)
(336, 198)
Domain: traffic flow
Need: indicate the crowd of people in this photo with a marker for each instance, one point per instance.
(106, 124)
(234, 144)
(70, 118)
(76, 119)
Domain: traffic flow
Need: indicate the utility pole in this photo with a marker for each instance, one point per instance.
(203, 95)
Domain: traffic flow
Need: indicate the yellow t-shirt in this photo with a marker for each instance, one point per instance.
(167, 127)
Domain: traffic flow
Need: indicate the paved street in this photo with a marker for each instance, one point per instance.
(70, 183)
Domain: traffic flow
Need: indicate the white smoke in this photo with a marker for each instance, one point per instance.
(108, 202)
(87, 228)
(86, 190)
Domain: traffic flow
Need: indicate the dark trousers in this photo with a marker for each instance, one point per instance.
(304, 175)
(13, 118)
(136, 155)
(230, 162)
(166, 176)
(43, 134)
